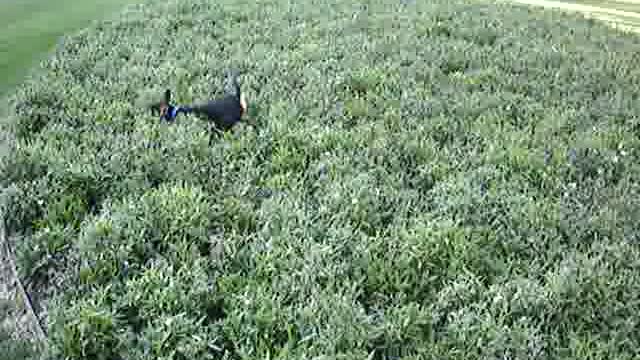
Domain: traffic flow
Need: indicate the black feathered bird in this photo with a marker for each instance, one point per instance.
(224, 112)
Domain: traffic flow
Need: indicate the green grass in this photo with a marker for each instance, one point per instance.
(10, 347)
(31, 28)
(615, 5)
(420, 180)
(630, 21)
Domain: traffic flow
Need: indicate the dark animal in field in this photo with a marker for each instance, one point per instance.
(224, 112)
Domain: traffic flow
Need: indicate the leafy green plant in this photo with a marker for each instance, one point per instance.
(10, 347)
(441, 179)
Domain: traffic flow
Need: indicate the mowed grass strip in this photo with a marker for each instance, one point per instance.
(416, 180)
(631, 6)
(625, 15)
(31, 28)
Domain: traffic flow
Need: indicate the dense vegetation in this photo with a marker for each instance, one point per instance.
(10, 347)
(440, 180)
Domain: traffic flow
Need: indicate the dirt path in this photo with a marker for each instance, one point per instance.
(612, 16)
(21, 319)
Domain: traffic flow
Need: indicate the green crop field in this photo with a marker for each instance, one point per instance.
(31, 28)
(442, 179)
